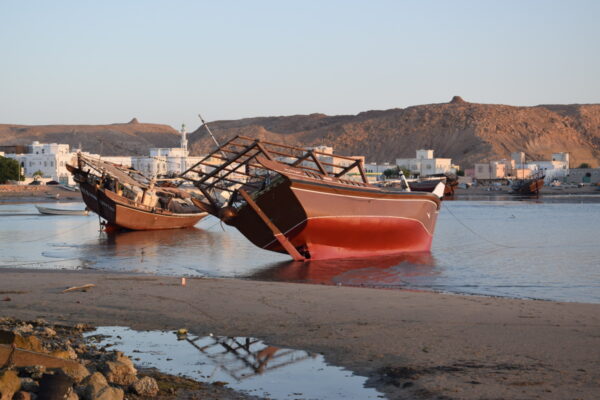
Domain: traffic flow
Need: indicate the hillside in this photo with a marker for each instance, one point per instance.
(132, 138)
(465, 132)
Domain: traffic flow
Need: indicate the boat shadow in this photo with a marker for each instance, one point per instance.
(384, 272)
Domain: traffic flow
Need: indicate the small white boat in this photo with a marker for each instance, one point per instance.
(70, 188)
(58, 211)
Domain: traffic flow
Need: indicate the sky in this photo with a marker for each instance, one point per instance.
(96, 62)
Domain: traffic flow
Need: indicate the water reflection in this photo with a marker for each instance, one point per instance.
(244, 363)
(244, 357)
(387, 271)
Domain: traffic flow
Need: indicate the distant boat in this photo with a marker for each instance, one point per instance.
(70, 188)
(125, 198)
(531, 185)
(58, 211)
(429, 183)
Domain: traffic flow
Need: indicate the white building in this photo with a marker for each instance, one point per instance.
(493, 170)
(165, 161)
(518, 168)
(47, 160)
(375, 171)
(425, 164)
(556, 169)
(378, 168)
(328, 158)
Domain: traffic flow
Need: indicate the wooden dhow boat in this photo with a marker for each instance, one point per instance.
(529, 186)
(309, 204)
(124, 198)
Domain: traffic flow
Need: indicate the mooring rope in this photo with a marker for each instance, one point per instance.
(59, 233)
(476, 233)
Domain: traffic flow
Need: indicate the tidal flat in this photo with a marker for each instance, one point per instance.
(406, 344)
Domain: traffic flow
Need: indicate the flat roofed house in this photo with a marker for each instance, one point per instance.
(426, 164)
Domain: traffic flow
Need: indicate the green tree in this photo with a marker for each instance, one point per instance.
(38, 173)
(395, 172)
(584, 165)
(10, 170)
(460, 172)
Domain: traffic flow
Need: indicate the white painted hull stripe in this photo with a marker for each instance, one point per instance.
(361, 197)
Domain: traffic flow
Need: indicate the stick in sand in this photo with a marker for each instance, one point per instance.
(74, 288)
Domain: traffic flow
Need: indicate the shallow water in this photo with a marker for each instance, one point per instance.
(545, 248)
(244, 363)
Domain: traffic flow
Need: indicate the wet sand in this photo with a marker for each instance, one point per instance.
(409, 344)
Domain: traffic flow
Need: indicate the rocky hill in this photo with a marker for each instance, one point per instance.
(133, 138)
(465, 132)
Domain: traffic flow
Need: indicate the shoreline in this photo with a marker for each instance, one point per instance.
(26, 193)
(547, 191)
(409, 344)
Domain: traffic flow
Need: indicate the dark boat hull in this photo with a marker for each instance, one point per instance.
(430, 185)
(327, 221)
(528, 186)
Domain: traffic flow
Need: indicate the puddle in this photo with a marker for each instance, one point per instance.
(246, 364)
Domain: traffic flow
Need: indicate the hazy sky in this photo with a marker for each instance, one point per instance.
(165, 61)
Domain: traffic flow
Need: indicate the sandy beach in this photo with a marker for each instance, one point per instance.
(409, 344)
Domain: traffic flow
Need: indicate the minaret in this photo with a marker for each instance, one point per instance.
(184, 142)
(183, 160)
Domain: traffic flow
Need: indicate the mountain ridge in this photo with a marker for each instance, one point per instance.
(133, 138)
(466, 132)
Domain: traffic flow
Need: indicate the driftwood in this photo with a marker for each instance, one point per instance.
(76, 288)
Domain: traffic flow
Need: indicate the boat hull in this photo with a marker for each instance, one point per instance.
(430, 185)
(120, 212)
(529, 186)
(327, 221)
(56, 211)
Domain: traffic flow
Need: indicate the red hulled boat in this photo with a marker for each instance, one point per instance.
(306, 203)
(124, 198)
